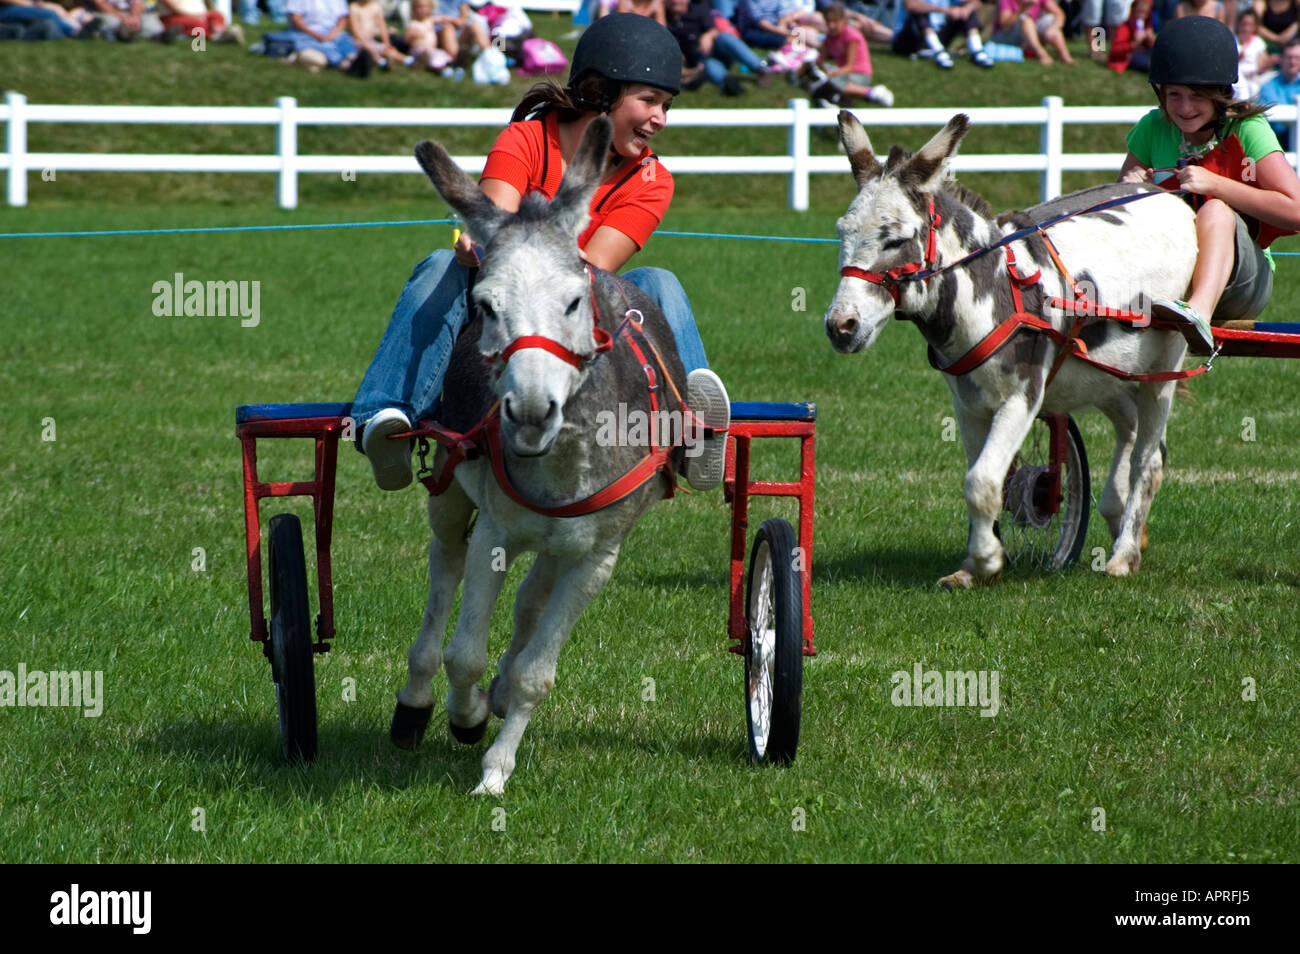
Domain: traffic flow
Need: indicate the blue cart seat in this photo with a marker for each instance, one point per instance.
(247, 413)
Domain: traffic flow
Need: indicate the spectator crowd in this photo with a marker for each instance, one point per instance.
(825, 46)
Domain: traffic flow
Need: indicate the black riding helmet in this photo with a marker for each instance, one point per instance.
(1194, 51)
(625, 48)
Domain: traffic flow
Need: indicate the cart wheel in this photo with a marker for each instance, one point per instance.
(1032, 535)
(291, 645)
(774, 648)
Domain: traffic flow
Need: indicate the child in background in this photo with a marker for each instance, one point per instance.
(370, 30)
(846, 65)
(1030, 24)
(422, 41)
(1133, 39)
(1253, 57)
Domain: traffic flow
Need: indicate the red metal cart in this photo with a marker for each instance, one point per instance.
(1046, 497)
(769, 618)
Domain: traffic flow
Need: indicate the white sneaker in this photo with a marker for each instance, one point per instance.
(390, 460)
(881, 94)
(707, 399)
(943, 59)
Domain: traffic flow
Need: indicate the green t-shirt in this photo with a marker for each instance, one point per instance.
(1158, 144)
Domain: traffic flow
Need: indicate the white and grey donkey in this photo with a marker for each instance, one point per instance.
(1125, 256)
(532, 282)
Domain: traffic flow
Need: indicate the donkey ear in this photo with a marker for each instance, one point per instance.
(927, 169)
(481, 214)
(582, 177)
(862, 160)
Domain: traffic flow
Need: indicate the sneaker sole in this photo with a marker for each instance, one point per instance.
(389, 460)
(707, 398)
(1195, 334)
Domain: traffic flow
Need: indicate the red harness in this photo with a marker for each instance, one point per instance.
(1071, 345)
(486, 434)
(892, 279)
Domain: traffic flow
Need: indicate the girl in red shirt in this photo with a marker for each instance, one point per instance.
(629, 68)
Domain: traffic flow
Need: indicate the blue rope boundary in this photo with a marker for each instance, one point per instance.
(370, 225)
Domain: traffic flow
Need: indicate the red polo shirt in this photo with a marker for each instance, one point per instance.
(633, 199)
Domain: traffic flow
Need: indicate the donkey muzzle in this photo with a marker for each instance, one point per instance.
(529, 427)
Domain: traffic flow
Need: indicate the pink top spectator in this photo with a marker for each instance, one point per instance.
(837, 48)
(1035, 11)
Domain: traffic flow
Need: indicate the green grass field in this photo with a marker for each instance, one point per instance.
(1121, 695)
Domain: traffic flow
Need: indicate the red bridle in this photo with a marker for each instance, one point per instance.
(892, 279)
(603, 339)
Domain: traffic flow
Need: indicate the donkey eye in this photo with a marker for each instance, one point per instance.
(573, 305)
(485, 309)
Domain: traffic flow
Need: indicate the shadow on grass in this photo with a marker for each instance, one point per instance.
(909, 567)
(228, 756)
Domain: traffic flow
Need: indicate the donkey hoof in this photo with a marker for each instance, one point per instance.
(467, 735)
(961, 580)
(1123, 564)
(409, 724)
(499, 697)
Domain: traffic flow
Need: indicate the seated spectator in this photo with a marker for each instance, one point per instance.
(1283, 89)
(322, 25)
(1131, 44)
(1253, 58)
(125, 20)
(1278, 21)
(923, 25)
(1104, 15)
(708, 53)
(845, 68)
(771, 24)
(191, 18)
(421, 40)
(249, 13)
(654, 9)
(370, 32)
(873, 30)
(1029, 24)
(457, 25)
(45, 20)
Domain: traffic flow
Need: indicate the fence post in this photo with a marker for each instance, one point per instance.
(1294, 157)
(16, 146)
(1052, 147)
(286, 147)
(798, 151)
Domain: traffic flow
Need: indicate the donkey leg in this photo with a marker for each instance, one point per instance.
(983, 492)
(532, 676)
(466, 655)
(449, 515)
(1146, 473)
(1121, 409)
(530, 601)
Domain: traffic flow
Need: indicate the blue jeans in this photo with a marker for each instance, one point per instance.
(31, 15)
(763, 40)
(409, 368)
(727, 51)
(335, 53)
(249, 13)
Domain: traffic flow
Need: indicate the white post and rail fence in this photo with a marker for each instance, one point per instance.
(797, 119)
